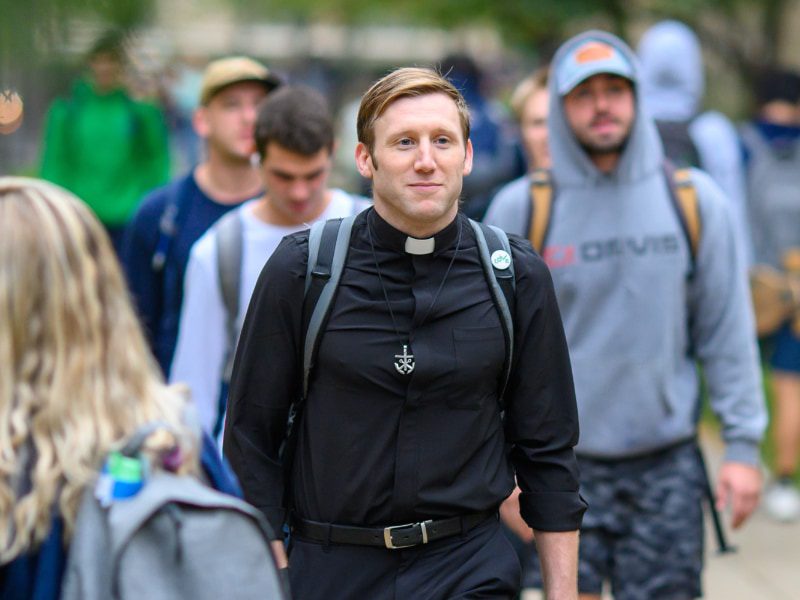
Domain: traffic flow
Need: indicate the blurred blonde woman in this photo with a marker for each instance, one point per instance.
(76, 377)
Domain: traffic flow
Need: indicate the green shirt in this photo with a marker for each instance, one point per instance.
(108, 149)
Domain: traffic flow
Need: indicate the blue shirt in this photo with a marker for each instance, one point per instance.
(158, 294)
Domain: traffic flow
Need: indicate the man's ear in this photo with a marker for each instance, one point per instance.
(200, 122)
(364, 160)
(468, 158)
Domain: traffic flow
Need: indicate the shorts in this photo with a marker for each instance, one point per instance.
(786, 351)
(643, 531)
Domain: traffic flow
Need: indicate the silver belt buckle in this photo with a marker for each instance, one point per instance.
(387, 534)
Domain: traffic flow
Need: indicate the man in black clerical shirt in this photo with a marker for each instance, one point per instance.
(402, 422)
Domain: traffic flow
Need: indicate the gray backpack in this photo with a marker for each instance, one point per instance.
(176, 538)
(679, 147)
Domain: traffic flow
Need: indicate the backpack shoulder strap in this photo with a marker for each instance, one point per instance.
(498, 266)
(328, 245)
(230, 231)
(167, 226)
(679, 146)
(683, 194)
(541, 207)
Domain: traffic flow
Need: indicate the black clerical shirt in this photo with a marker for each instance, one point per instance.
(378, 446)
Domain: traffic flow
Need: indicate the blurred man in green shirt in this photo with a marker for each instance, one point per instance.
(103, 145)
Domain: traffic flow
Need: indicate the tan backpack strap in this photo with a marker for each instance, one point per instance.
(686, 194)
(541, 206)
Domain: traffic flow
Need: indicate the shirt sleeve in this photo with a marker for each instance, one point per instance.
(266, 379)
(202, 339)
(146, 285)
(541, 419)
(722, 328)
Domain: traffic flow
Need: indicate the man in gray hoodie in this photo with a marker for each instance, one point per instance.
(639, 310)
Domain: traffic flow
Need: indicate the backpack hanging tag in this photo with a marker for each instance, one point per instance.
(121, 477)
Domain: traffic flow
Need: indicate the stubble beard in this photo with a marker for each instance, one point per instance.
(593, 149)
(604, 147)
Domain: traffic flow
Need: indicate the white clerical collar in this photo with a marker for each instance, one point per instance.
(418, 246)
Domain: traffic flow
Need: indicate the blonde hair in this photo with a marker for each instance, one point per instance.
(526, 88)
(403, 83)
(77, 376)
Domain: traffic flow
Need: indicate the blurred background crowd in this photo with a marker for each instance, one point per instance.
(56, 55)
(340, 45)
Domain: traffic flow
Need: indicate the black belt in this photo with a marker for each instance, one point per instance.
(398, 536)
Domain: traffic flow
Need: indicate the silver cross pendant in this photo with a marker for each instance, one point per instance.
(405, 362)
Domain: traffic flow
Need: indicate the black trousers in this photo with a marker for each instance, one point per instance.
(479, 564)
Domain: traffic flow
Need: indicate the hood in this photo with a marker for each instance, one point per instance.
(643, 152)
(671, 77)
(83, 89)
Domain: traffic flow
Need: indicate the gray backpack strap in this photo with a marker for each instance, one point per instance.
(230, 232)
(328, 244)
(498, 266)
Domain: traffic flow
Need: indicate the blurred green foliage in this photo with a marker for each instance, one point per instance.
(540, 24)
(745, 33)
(31, 30)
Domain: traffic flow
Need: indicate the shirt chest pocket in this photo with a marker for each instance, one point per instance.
(479, 356)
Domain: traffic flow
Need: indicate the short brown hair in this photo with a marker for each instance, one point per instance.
(528, 87)
(404, 83)
(296, 118)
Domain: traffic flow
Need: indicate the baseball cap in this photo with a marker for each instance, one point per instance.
(590, 58)
(226, 71)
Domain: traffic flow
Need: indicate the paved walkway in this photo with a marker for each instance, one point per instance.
(767, 563)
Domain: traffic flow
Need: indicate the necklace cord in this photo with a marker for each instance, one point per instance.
(438, 291)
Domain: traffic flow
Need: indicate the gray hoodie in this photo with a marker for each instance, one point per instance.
(635, 315)
(672, 85)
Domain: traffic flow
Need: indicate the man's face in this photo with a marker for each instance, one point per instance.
(106, 71)
(296, 184)
(418, 164)
(781, 112)
(227, 122)
(533, 126)
(600, 112)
